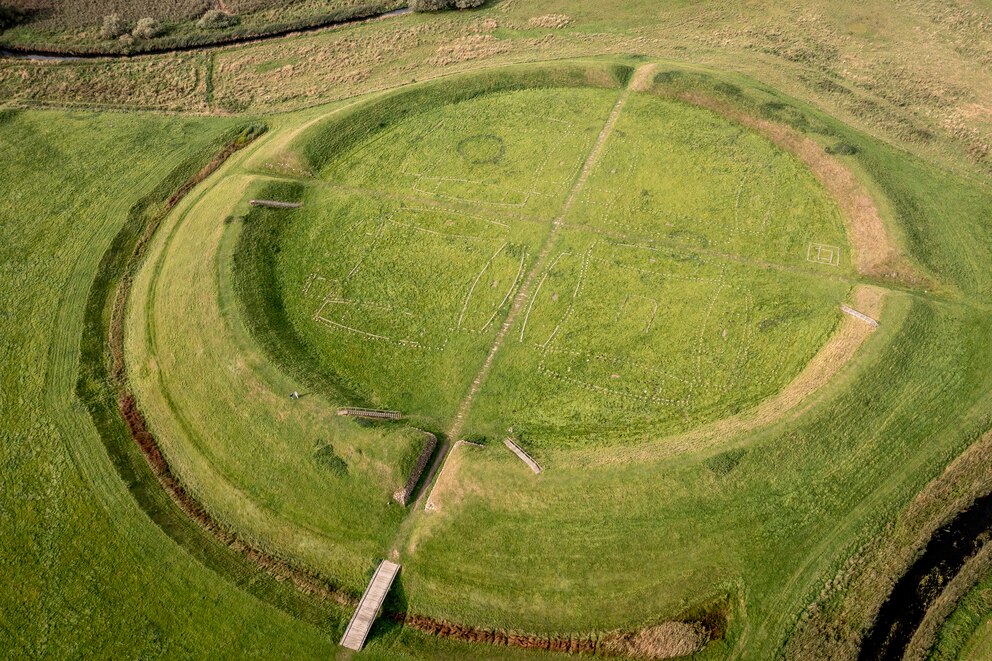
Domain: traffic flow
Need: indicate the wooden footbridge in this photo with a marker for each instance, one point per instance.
(375, 414)
(522, 454)
(361, 622)
(275, 204)
(859, 315)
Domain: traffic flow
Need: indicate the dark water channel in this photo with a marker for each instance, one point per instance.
(942, 558)
(69, 56)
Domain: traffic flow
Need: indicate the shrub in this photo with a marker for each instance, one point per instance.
(723, 464)
(9, 17)
(147, 28)
(842, 149)
(442, 5)
(215, 19)
(113, 26)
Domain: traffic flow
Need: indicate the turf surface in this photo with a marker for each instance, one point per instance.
(613, 535)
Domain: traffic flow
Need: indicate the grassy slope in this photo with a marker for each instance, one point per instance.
(84, 572)
(239, 442)
(967, 633)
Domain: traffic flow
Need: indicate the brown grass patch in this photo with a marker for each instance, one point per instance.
(664, 641)
(471, 47)
(875, 252)
(448, 488)
(643, 78)
(550, 21)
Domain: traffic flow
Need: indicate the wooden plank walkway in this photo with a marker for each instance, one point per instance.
(368, 608)
(524, 457)
(859, 315)
(275, 204)
(371, 413)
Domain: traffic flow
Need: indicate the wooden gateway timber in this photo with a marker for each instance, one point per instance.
(403, 495)
(859, 315)
(376, 414)
(275, 204)
(524, 457)
(368, 608)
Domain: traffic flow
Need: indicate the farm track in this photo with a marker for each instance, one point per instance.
(523, 294)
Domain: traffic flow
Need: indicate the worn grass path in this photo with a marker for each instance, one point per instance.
(523, 294)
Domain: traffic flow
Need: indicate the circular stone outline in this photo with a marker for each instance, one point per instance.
(500, 152)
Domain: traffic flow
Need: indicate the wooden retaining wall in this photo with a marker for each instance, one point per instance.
(403, 495)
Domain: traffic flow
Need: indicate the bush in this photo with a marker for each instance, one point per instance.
(147, 28)
(113, 26)
(215, 19)
(442, 5)
(9, 17)
(842, 149)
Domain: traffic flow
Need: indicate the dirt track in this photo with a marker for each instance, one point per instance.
(540, 264)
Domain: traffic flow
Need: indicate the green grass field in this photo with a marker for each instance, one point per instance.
(376, 279)
(647, 292)
(77, 526)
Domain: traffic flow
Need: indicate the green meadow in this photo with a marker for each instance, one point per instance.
(644, 293)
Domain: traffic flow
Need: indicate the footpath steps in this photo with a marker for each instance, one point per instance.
(368, 608)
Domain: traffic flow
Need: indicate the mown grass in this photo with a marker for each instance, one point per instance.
(450, 273)
(696, 526)
(608, 537)
(85, 572)
(386, 293)
(306, 483)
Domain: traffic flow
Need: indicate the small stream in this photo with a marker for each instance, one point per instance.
(69, 56)
(942, 558)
